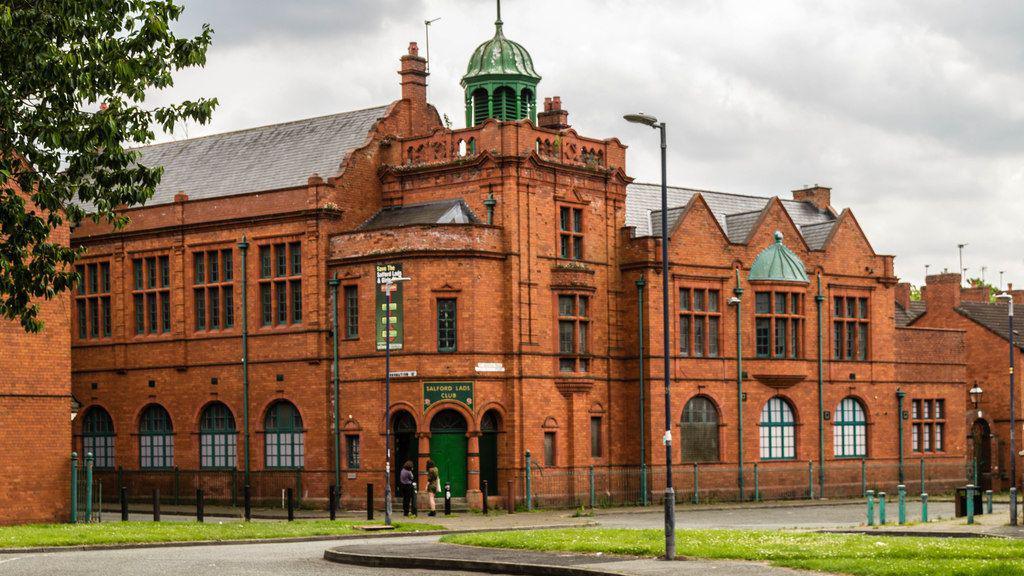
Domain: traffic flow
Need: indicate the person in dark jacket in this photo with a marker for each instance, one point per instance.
(405, 480)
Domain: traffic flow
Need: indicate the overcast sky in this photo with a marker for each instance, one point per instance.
(912, 111)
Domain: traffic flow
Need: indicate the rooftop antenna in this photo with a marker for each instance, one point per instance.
(1001, 279)
(926, 267)
(963, 270)
(983, 269)
(426, 24)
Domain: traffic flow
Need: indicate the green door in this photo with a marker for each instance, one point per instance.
(448, 446)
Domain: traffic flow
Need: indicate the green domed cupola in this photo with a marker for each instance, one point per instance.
(500, 81)
(777, 263)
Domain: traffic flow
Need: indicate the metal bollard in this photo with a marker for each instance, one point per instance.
(124, 503)
(757, 486)
(332, 501)
(199, 505)
(247, 502)
(88, 487)
(156, 505)
(590, 486)
(871, 507)
(529, 494)
(447, 499)
(291, 504)
(881, 508)
(369, 501)
(1013, 506)
(924, 507)
(810, 480)
(922, 476)
(483, 487)
(696, 485)
(901, 492)
(863, 476)
(510, 497)
(415, 497)
(988, 501)
(970, 503)
(74, 487)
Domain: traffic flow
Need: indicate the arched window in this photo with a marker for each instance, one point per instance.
(98, 437)
(218, 437)
(849, 436)
(284, 438)
(699, 430)
(480, 111)
(156, 438)
(778, 431)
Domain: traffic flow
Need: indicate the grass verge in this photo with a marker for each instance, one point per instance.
(38, 535)
(860, 555)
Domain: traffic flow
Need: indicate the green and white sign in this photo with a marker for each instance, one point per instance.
(434, 392)
(395, 331)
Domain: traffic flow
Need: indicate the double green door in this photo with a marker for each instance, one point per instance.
(448, 451)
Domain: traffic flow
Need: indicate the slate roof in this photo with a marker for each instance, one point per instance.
(992, 316)
(905, 317)
(257, 159)
(452, 211)
(736, 213)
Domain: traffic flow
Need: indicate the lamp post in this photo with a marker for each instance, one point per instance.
(900, 395)
(333, 283)
(670, 496)
(1013, 409)
(975, 394)
(640, 283)
(737, 301)
(389, 287)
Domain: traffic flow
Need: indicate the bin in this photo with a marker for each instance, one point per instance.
(961, 502)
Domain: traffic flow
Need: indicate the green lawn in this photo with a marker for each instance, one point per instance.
(861, 555)
(134, 532)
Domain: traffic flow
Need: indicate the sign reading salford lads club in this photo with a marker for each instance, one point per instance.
(395, 331)
(454, 391)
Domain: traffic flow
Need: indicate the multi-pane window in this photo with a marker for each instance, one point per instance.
(446, 325)
(151, 294)
(98, 437)
(699, 431)
(218, 437)
(280, 284)
(849, 437)
(778, 431)
(213, 296)
(92, 300)
(352, 311)
(285, 446)
(549, 449)
(570, 233)
(699, 321)
(850, 328)
(156, 438)
(595, 437)
(573, 333)
(778, 324)
(929, 425)
(352, 455)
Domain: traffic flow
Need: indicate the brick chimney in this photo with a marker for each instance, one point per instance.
(903, 295)
(943, 291)
(414, 77)
(553, 117)
(975, 294)
(1018, 295)
(820, 196)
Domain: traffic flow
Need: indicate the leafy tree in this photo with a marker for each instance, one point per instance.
(915, 294)
(73, 81)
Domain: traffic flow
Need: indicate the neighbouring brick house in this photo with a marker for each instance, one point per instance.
(35, 413)
(945, 303)
(517, 331)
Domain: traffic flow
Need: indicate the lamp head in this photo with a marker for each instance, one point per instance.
(975, 394)
(641, 118)
(734, 301)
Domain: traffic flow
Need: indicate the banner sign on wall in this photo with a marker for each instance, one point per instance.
(396, 331)
(434, 392)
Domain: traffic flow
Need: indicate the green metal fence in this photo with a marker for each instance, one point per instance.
(86, 495)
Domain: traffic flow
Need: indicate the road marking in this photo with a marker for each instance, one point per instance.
(9, 560)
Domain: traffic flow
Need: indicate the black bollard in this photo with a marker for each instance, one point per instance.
(369, 501)
(447, 499)
(291, 504)
(510, 498)
(156, 505)
(484, 487)
(247, 501)
(199, 505)
(124, 503)
(415, 497)
(332, 500)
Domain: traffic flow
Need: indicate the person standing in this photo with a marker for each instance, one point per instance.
(433, 486)
(405, 480)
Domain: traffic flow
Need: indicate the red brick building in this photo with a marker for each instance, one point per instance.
(517, 331)
(945, 303)
(35, 414)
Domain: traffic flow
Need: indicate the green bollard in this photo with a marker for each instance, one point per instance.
(988, 501)
(529, 495)
(593, 495)
(757, 487)
(88, 487)
(924, 507)
(881, 508)
(901, 492)
(970, 503)
(74, 487)
(696, 485)
(810, 480)
(871, 507)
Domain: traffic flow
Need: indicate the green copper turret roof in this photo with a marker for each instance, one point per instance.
(500, 57)
(777, 263)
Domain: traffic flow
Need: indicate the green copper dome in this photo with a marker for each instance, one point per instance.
(500, 81)
(777, 263)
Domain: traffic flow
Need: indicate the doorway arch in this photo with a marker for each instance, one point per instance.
(490, 424)
(981, 437)
(406, 447)
(448, 447)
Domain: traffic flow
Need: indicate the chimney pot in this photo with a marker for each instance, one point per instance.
(414, 49)
(553, 116)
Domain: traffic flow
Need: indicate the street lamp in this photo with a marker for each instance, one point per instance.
(975, 392)
(670, 495)
(388, 285)
(1008, 298)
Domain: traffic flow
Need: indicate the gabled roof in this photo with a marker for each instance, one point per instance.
(992, 316)
(736, 213)
(907, 316)
(258, 159)
(452, 211)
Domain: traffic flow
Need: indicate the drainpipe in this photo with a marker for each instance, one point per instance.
(738, 292)
(490, 203)
(333, 283)
(818, 300)
(643, 423)
(243, 246)
(900, 395)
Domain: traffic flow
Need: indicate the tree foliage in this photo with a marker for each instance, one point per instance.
(74, 75)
